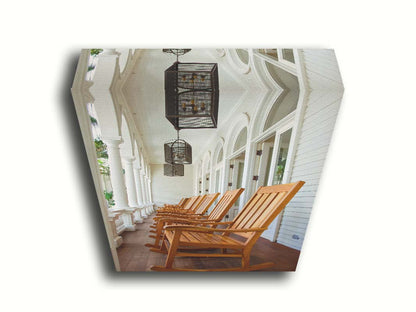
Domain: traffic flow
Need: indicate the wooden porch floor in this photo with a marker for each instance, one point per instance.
(134, 256)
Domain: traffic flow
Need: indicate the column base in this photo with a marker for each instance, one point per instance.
(136, 215)
(130, 228)
(143, 211)
(118, 241)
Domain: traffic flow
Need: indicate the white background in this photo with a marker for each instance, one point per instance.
(359, 251)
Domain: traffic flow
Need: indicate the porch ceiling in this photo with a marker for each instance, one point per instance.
(144, 92)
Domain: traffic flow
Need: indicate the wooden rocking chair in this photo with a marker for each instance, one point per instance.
(250, 223)
(216, 215)
(190, 205)
(178, 205)
(199, 209)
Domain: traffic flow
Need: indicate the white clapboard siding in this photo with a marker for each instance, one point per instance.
(322, 69)
(316, 130)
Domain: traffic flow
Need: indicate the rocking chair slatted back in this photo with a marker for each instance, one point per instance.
(189, 203)
(224, 204)
(264, 206)
(181, 202)
(196, 203)
(206, 203)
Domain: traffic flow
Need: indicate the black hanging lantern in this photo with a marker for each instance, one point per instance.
(178, 152)
(177, 52)
(173, 170)
(192, 95)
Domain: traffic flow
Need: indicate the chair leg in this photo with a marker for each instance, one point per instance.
(245, 260)
(172, 249)
(159, 229)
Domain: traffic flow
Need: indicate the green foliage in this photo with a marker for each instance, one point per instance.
(95, 52)
(101, 148)
(91, 67)
(93, 121)
(109, 198)
(280, 169)
(104, 169)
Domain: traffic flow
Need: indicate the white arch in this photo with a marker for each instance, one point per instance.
(106, 109)
(220, 145)
(126, 148)
(242, 121)
(236, 62)
(206, 169)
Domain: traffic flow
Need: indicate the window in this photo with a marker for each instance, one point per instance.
(282, 156)
(287, 101)
(263, 162)
(243, 55)
(241, 140)
(220, 156)
(288, 55)
(235, 180)
(269, 52)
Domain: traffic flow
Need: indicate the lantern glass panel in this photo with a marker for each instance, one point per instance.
(173, 170)
(192, 95)
(178, 152)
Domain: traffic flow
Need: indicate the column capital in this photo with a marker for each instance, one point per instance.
(112, 141)
(110, 52)
(129, 159)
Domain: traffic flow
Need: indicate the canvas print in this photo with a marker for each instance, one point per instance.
(207, 159)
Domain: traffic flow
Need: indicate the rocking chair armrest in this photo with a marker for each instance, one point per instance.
(161, 214)
(195, 221)
(178, 219)
(191, 228)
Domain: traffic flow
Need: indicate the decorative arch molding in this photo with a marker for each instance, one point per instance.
(136, 152)
(80, 100)
(117, 95)
(124, 58)
(105, 107)
(221, 52)
(141, 160)
(242, 121)
(262, 73)
(236, 62)
(126, 147)
(275, 97)
(206, 169)
(197, 175)
(262, 112)
(206, 161)
(219, 146)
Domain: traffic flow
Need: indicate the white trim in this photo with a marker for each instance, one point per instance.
(286, 122)
(298, 121)
(86, 132)
(236, 62)
(281, 63)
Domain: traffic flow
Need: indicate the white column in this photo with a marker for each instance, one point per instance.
(150, 193)
(143, 192)
(143, 189)
(146, 186)
(117, 182)
(131, 187)
(136, 171)
(138, 186)
(150, 190)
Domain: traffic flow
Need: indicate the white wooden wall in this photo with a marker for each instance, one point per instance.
(321, 111)
(169, 190)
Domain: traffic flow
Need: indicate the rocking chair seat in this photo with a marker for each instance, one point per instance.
(201, 240)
